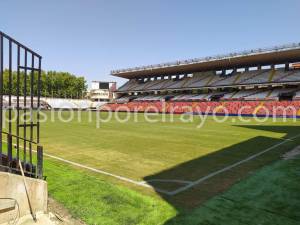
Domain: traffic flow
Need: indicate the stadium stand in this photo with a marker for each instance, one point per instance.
(156, 85)
(182, 97)
(190, 97)
(123, 99)
(226, 80)
(276, 93)
(24, 104)
(297, 95)
(129, 85)
(258, 95)
(200, 80)
(292, 76)
(56, 103)
(228, 96)
(96, 105)
(177, 84)
(272, 108)
(241, 94)
(81, 103)
(253, 80)
(52, 103)
(78, 104)
(150, 98)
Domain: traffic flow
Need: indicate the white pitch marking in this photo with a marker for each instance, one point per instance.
(140, 183)
(179, 190)
(99, 171)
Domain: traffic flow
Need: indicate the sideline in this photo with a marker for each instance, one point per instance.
(98, 171)
(190, 184)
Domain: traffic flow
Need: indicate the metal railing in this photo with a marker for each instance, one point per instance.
(19, 133)
(211, 58)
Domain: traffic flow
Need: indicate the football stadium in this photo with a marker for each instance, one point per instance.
(203, 141)
(182, 143)
(255, 82)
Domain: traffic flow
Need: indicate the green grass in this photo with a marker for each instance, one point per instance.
(97, 201)
(166, 150)
(140, 149)
(271, 196)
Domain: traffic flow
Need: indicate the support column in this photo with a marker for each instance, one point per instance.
(287, 67)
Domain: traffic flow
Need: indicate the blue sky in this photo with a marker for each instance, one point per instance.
(93, 37)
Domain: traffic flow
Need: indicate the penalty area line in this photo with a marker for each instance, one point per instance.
(196, 182)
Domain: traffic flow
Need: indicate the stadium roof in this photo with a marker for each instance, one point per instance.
(266, 56)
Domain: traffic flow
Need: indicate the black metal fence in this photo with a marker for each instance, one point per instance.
(20, 84)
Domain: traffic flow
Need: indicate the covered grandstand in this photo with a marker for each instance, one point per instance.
(257, 79)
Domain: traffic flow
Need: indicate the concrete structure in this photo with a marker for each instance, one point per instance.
(102, 91)
(14, 200)
(256, 57)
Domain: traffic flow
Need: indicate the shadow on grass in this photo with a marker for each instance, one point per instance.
(191, 171)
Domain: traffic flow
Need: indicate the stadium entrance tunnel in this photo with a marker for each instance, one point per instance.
(190, 184)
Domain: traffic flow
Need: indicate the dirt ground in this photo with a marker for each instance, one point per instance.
(60, 215)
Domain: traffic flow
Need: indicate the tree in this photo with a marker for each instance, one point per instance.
(53, 84)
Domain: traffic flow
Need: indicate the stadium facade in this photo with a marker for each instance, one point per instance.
(258, 80)
(102, 91)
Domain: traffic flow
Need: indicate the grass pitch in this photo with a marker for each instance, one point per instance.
(269, 197)
(175, 147)
(140, 149)
(153, 152)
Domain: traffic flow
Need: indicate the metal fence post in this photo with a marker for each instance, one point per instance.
(40, 162)
(9, 148)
